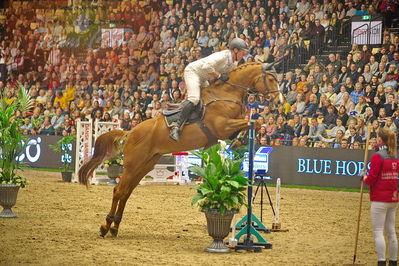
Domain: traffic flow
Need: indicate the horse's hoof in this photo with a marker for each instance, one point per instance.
(103, 230)
(114, 231)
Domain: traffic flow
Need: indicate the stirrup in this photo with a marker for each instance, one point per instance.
(175, 133)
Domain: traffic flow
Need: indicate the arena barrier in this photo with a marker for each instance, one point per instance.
(294, 165)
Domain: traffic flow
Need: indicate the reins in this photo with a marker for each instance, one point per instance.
(248, 92)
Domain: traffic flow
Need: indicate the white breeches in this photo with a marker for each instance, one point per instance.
(383, 217)
(194, 83)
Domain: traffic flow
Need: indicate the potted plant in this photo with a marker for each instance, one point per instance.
(222, 192)
(12, 144)
(114, 168)
(64, 147)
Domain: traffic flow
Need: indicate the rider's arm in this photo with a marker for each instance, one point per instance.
(215, 74)
(209, 64)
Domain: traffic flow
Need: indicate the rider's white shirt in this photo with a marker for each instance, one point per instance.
(221, 62)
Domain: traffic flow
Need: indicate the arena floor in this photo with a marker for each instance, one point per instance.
(58, 225)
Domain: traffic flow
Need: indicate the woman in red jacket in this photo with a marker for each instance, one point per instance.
(382, 179)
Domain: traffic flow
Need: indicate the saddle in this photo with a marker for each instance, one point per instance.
(172, 114)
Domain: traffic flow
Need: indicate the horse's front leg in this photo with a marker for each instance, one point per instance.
(233, 125)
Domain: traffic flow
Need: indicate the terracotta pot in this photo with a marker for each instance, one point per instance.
(218, 228)
(8, 198)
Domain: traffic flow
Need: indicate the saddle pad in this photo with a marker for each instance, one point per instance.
(171, 116)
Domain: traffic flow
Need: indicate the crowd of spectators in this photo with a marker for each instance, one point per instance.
(48, 48)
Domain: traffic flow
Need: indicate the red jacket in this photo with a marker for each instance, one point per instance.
(383, 178)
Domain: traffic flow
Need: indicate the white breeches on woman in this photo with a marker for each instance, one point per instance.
(383, 217)
(194, 83)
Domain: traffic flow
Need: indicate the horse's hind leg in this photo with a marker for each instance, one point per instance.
(111, 215)
(125, 194)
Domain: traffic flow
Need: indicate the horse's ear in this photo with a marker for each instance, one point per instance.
(268, 66)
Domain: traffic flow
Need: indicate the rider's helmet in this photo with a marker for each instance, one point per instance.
(238, 43)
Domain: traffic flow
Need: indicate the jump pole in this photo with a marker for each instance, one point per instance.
(366, 151)
(276, 225)
(249, 229)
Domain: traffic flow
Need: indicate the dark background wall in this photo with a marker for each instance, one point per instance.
(38, 153)
(295, 166)
(317, 167)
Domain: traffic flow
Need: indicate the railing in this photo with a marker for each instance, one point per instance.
(361, 35)
(368, 33)
(373, 37)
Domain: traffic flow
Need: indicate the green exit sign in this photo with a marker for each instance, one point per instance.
(366, 17)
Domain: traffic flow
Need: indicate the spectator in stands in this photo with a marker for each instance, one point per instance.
(57, 119)
(391, 105)
(391, 125)
(302, 8)
(356, 93)
(389, 11)
(317, 37)
(392, 77)
(315, 130)
(395, 60)
(47, 129)
(344, 144)
(311, 107)
(353, 137)
(126, 121)
(330, 118)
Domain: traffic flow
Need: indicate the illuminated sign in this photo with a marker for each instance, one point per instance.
(261, 160)
(330, 167)
(66, 156)
(32, 151)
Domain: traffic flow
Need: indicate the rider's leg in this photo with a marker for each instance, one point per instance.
(188, 107)
(193, 83)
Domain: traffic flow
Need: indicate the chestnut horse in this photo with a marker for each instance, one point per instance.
(148, 141)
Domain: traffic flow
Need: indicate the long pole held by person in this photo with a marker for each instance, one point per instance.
(366, 151)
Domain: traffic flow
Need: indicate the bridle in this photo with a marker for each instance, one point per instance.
(249, 91)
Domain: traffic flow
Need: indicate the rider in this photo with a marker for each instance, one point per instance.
(198, 73)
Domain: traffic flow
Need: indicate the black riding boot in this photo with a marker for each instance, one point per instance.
(393, 263)
(187, 108)
(381, 263)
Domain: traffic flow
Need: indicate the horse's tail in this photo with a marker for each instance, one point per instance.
(106, 146)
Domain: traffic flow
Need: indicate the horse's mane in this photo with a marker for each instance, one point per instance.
(218, 84)
(240, 67)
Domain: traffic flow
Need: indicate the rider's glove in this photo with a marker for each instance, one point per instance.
(223, 77)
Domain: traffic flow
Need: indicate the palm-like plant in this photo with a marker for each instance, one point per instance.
(224, 183)
(12, 142)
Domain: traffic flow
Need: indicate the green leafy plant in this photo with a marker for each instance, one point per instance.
(64, 147)
(224, 183)
(12, 142)
(117, 160)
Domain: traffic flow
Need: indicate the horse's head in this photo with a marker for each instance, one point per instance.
(256, 78)
(266, 82)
